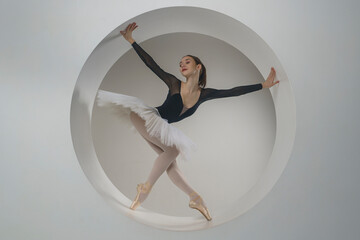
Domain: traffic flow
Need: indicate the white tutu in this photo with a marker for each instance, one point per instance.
(122, 105)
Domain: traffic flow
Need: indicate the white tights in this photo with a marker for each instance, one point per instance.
(166, 160)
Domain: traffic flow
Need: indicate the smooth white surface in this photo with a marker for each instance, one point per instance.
(44, 194)
(228, 194)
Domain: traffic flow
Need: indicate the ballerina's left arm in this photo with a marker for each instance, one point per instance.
(212, 93)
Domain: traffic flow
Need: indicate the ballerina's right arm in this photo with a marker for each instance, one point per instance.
(149, 61)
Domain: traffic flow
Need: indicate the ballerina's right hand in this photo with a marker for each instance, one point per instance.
(127, 34)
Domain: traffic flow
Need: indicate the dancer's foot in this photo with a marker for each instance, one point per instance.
(143, 190)
(198, 203)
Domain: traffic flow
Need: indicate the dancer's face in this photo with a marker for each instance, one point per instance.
(188, 66)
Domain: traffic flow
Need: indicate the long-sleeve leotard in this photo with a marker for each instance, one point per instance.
(173, 108)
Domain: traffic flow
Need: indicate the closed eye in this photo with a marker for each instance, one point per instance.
(186, 63)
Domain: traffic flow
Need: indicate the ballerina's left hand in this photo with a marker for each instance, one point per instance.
(270, 79)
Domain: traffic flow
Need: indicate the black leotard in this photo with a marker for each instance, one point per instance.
(173, 109)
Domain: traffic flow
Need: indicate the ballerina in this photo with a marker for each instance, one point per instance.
(154, 123)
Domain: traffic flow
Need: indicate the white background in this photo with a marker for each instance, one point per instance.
(45, 194)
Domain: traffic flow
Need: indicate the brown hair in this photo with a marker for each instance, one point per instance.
(202, 78)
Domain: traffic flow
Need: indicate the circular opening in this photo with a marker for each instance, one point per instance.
(235, 135)
(115, 160)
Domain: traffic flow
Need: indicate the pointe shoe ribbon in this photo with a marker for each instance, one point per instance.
(199, 206)
(141, 188)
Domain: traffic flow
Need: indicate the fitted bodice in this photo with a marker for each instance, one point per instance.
(173, 108)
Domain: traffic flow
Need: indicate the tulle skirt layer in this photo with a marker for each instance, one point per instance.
(121, 105)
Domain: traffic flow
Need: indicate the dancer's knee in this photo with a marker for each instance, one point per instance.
(172, 152)
(175, 151)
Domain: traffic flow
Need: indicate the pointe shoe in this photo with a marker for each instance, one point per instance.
(199, 206)
(141, 188)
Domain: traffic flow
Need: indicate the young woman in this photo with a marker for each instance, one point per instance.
(154, 123)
